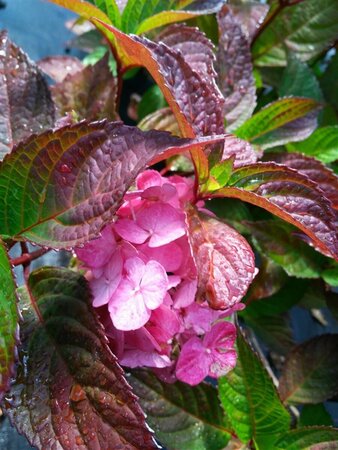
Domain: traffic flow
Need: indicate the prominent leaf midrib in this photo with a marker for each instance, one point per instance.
(183, 409)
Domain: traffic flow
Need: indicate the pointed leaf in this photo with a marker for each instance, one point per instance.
(306, 28)
(83, 9)
(60, 188)
(250, 399)
(250, 15)
(90, 93)
(322, 144)
(111, 8)
(182, 416)
(58, 67)
(224, 260)
(70, 391)
(25, 102)
(8, 321)
(312, 415)
(235, 70)
(308, 438)
(310, 372)
(288, 195)
(329, 82)
(285, 120)
(162, 120)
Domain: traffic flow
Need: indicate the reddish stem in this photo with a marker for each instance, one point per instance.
(26, 258)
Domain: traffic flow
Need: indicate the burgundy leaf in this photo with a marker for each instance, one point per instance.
(25, 102)
(58, 67)
(224, 260)
(61, 187)
(250, 15)
(243, 152)
(90, 93)
(70, 392)
(326, 179)
(290, 196)
(235, 70)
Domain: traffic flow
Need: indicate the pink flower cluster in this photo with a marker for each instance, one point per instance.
(143, 277)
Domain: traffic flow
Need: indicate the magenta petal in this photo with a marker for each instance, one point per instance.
(154, 284)
(193, 362)
(130, 231)
(222, 363)
(185, 294)
(104, 287)
(221, 337)
(200, 317)
(96, 253)
(137, 358)
(148, 178)
(170, 256)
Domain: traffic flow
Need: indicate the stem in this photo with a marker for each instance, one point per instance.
(26, 258)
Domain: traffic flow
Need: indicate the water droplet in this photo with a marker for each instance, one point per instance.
(64, 168)
(77, 393)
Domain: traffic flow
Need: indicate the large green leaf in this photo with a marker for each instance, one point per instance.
(110, 8)
(312, 415)
(8, 320)
(59, 188)
(250, 399)
(183, 417)
(310, 372)
(83, 8)
(322, 144)
(70, 392)
(329, 82)
(308, 438)
(306, 29)
(285, 120)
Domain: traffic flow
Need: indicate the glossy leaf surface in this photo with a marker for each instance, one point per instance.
(61, 187)
(254, 408)
(309, 438)
(58, 67)
(70, 392)
(25, 102)
(250, 15)
(235, 77)
(8, 320)
(182, 416)
(310, 372)
(224, 260)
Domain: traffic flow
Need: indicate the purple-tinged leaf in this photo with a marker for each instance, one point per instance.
(58, 67)
(8, 321)
(289, 195)
(61, 187)
(325, 178)
(90, 93)
(308, 438)
(250, 15)
(70, 391)
(235, 70)
(162, 120)
(224, 260)
(269, 280)
(25, 102)
(243, 152)
(310, 372)
(285, 120)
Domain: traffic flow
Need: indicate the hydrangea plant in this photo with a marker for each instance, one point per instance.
(190, 234)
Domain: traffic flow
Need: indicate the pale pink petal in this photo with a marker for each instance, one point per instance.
(154, 284)
(200, 317)
(163, 324)
(141, 339)
(222, 363)
(185, 294)
(170, 256)
(160, 193)
(104, 287)
(235, 308)
(148, 178)
(130, 231)
(193, 362)
(163, 223)
(96, 253)
(135, 269)
(221, 337)
(137, 358)
(173, 281)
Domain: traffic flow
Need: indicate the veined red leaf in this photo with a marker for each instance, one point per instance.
(224, 260)
(58, 67)
(70, 391)
(285, 120)
(235, 70)
(90, 93)
(290, 196)
(8, 320)
(325, 178)
(60, 188)
(25, 101)
(250, 15)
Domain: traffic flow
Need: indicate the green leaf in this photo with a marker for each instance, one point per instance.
(299, 80)
(70, 391)
(8, 320)
(162, 120)
(330, 274)
(329, 82)
(306, 29)
(310, 372)
(312, 415)
(322, 144)
(282, 121)
(183, 417)
(83, 8)
(250, 399)
(308, 438)
(136, 11)
(152, 101)
(277, 241)
(110, 8)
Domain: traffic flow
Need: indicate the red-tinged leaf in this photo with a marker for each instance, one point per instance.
(58, 67)
(8, 321)
(25, 102)
(270, 279)
(162, 120)
(235, 70)
(285, 120)
(61, 187)
(224, 260)
(70, 392)
(196, 106)
(325, 178)
(243, 152)
(90, 93)
(82, 8)
(250, 15)
(289, 195)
